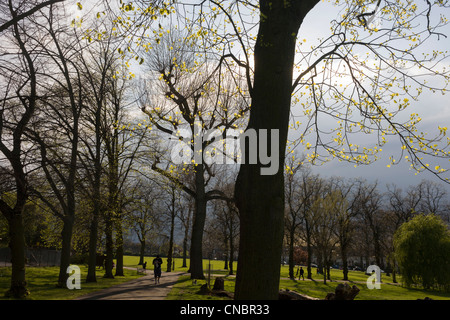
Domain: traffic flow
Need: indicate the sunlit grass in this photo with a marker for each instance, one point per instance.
(42, 283)
(388, 291)
(185, 289)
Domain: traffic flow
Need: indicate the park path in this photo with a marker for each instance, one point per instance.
(143, 288)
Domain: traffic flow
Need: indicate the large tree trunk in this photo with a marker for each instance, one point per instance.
(66, 248)
(18, 287)
(113, 206)
(196, 252)
(142, 252)
(260, 198)
(93, 232)
(344, 261)
(119, 247)
(225, 247)
(185, 243)
(310, 253)
(14, 215)
(92, 259)
(230, 263)
(172, 230)
(109, 245)
(291, 253)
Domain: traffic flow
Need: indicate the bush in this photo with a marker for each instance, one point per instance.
(79, 258)
(422, 250)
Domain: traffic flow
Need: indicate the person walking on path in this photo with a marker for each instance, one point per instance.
(302, 272)
(157, 262)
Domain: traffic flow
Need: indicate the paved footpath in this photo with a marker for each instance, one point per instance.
(143, 288)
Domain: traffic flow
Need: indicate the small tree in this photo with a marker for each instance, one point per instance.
(422, 249)
(325, 212)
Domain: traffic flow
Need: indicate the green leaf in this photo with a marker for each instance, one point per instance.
(80, 7)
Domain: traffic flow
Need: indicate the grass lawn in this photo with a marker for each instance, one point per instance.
(388, 290)
(186, 290)
(42, 283)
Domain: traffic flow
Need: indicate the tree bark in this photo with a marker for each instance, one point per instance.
(186, 237)
(66, 248)
(172, 229)
(196, 252)
(260, 198)
(69, 212)
(18, 287)
(92, 259)
(291, 253)
(227, 250)
(14, 215)
(309, 261)
(344, 261)
(185, 241)
(109, 245)
(93, 232)
(119, 247)
(142, 252)
(113, 199)
(230, 263)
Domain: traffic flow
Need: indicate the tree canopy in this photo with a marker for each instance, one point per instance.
(220, 65)
(422, 249)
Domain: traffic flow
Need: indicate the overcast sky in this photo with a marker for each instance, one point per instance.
(433, 108)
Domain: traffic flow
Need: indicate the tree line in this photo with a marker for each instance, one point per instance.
(337, 220)
(82, 131)
(63, 98)
(80, 146)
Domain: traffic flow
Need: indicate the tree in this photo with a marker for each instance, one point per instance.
(425, 197)
(422, 249)
(123, 145)
(369, 207)
(186, 218)
(325, 213)
(369, 101)
(402, 207)
(294, 206)
(260, 199)
(16, 18)
(98, 66)
(224, 221)
(197, 98)
(145, 212)
(19, 96)
(433, 196)
(61, 111)
(345, 226)
(311, 187)
(172, 205)
(336, 58)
